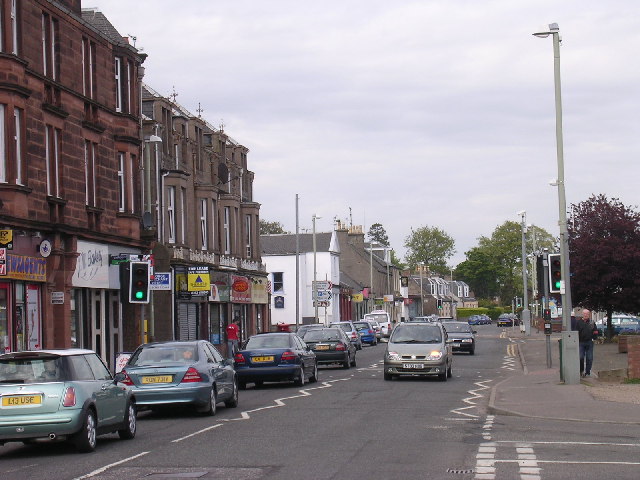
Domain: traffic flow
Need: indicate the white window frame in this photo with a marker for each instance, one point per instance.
(118, 79)
(45, 53)
(53, 161)
(247, 226)
(171, 213)
(17, 138)
(121, 182)
(90, 173)
(274, 283)
(183, 215)
(227, 230)
(129, 87)
(203, 224)
(176, 154)
(3, 145)
(14, 27)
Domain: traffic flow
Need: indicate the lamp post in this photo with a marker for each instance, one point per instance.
(421, 291)
(313, 288)
(526, 313)
(569, 340)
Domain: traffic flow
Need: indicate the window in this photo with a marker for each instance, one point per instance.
(176, 154)
(183, 214)
(17, 143)
(121, 182)
(88, 70)
(226, 227)
(118, 77)
(52, 156)
(278, 282)
(247, 234)
(50, 47)
(14, 27)
(203, 223)
(129, 91)
(90, 173)
(3, 148)
(171, 213)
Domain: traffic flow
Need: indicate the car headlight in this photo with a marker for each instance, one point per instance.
(393, 356)
(435, 355)
(467, 340)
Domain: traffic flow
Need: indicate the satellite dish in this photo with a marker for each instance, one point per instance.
(147, 220)
(223, 173)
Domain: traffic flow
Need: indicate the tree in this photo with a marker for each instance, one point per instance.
(267, 228)
(431, 246)
(604, 252)
(378, 234)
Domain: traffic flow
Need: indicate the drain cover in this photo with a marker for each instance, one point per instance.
(460, 471)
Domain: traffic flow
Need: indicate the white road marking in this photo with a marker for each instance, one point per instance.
(197, 433)
(107, 467)
(471, 401)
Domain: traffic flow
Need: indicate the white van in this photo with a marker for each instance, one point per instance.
(383, 319)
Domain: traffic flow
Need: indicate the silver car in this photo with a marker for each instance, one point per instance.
(418, 349)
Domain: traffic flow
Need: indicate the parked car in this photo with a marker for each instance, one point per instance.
(305, 328)
(461, 336)
(181, 373)
(62, 395)
(621, 323)
(418, 349)
(366, 332)
(275, 357)
(383, 318)
(351, 331)
(331, 345)
(475, 320)
(504, 320)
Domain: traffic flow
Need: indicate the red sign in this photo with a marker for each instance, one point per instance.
(240, 286)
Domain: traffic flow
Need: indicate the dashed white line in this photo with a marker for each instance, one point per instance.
(107, 467)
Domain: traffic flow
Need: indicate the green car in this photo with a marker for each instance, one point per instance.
(62, 395)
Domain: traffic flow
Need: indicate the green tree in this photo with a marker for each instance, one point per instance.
(396, 261)
(267, 228)
(604, 252)
(378, 234)
(431, 246)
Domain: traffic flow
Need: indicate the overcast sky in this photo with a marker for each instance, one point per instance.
(435, 113)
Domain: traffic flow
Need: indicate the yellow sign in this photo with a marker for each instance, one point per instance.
(198, 282)
(357, 297)
(6, 236)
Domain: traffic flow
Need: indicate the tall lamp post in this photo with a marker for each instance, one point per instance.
(526, 313)
(315, 272)
(569, 339)
(421, 291)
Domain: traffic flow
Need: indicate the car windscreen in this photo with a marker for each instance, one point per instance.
(160, 354)
(32, 370)
(344, 326)
(323, 335)
(456, 327)
(407, 333)
(380, 317)
(268, 341)
(361, 326)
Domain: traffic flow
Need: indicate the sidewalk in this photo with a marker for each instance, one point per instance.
(537, 391)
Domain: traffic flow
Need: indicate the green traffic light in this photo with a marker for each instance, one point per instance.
(139, 295)
(557, 285)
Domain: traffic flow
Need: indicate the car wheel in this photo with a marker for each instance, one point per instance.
(242, 385)
(347, 362)
(388, 376)
(129, 431)
(449, 371)
(233, 401)
(314, 378)
(212, 405)
(472, 351)
(258, 383)
(353, 361)
(85, 439)
(443, 377)
(299, 380)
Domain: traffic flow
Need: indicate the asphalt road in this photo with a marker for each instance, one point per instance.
(350, 424)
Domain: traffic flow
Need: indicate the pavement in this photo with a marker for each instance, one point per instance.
(537, 391)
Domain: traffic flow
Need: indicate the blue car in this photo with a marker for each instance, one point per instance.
(181, 373)
(275, 357)
(476, 320)
(367, 332)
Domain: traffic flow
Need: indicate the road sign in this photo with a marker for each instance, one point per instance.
(322, 285)
(321, 303)
(323, 295)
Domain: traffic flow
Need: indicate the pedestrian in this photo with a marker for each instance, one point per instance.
(586, 331)
(233, 332)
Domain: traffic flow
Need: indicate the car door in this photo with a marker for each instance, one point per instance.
(307, 357)
(219, 371)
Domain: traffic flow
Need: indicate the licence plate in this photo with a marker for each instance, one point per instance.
(457, 344)
(322, 347)
(21, 400)
(412, 365)
(267, 358)
(157, 379)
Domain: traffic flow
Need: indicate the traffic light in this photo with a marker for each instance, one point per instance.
(439, 303)
(139, 282)
(555, 272)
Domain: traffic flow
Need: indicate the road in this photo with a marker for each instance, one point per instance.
(350, 424)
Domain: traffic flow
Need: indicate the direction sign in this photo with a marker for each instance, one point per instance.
(322, 285)
(323, 295)
(321, 303)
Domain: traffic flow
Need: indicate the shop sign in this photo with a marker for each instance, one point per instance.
(6, 239)
(240, 289)
(259, 292)
(22, 267)
(3, 261)
(219, 291)
(57, 298)
(160, 281)
(357, 297)
(198, 279)
(278, 302)
(92, 265)
(387, 298)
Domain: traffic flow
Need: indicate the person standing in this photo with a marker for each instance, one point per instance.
(585, 328)
(233, 332)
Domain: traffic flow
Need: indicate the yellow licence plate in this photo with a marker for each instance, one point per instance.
(322, 347)
(266, 358)
(21, 400)
(157, 379)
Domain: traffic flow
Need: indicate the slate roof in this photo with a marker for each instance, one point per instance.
(285, 244)
(99, 21)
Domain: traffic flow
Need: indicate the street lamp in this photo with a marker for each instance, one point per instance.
(526, 313)
(314, 294)
(570, 370)
(421, 291)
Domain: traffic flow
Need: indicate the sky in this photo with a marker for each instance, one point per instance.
(410, 113)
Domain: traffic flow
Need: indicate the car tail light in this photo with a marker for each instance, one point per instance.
(341, 347)
(239, 359)
(354, 335)
(127, 379)
(191, 376)
(370, 332)
(288, 356)
(69, 399)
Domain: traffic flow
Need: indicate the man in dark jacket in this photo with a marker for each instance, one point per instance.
(585, 328)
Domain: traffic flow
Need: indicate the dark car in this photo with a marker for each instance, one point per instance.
(275, 357)
(367, 332)
(461, 337)
(351, 331)
(504, 321)
(331, 345)
(305, 328)
(62, 395)
(181, 373)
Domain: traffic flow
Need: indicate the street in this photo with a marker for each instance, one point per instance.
(352, 424)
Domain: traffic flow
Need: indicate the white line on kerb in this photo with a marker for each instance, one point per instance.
(107, 467)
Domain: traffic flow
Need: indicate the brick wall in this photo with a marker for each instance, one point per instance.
(633, 356)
